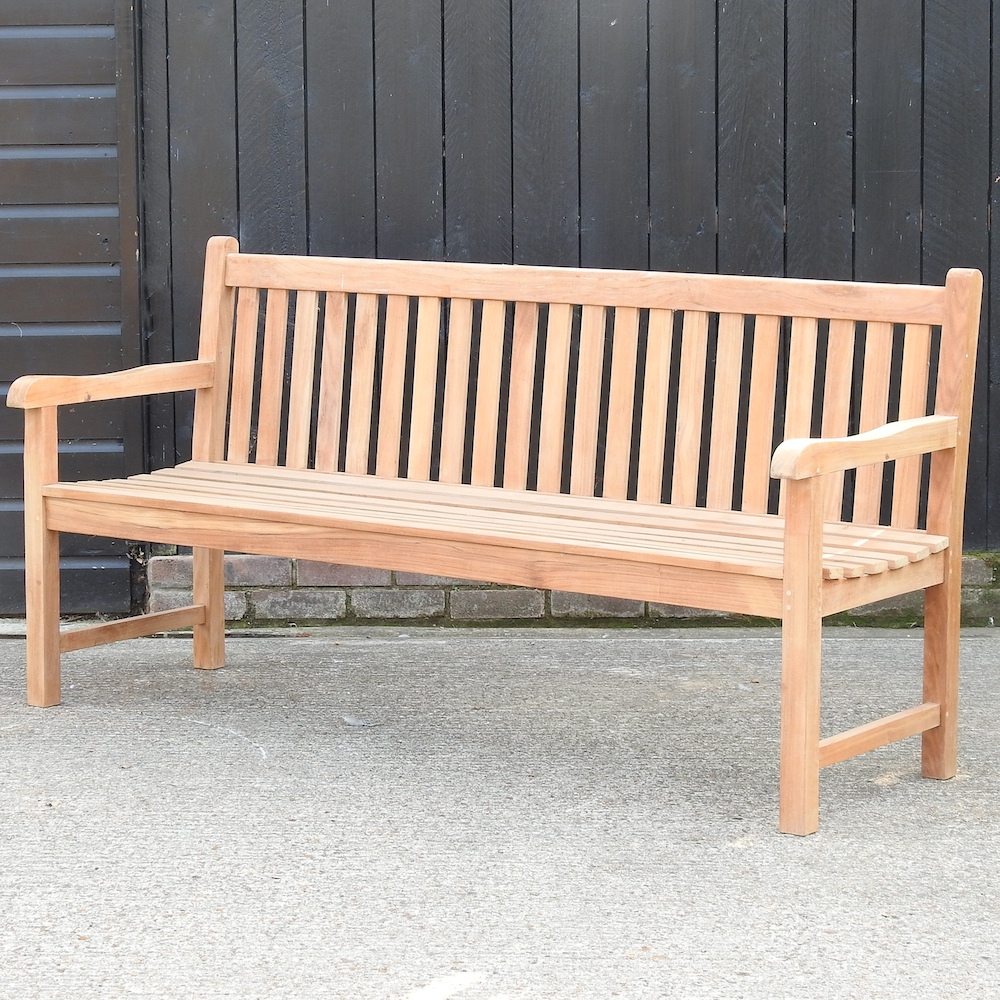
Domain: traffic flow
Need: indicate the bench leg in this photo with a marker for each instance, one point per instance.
(41, 567)
(41, 558)
(942, 609)
(209, 591)
(800, 715)
(801, 637)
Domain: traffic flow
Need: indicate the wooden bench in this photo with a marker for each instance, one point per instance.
(611, 433)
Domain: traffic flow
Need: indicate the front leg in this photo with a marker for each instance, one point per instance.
(41, 558)
(801, 657)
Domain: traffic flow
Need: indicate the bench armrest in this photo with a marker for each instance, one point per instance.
(31, 391)
(803, 458)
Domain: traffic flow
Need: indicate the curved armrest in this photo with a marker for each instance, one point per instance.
(30, 391)
(803, 458)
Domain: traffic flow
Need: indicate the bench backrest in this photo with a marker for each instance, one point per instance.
(631, 385)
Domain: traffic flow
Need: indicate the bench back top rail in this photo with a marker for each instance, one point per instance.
(631, 385)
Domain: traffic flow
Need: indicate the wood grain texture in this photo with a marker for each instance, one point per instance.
(888, 144)
(425, 387)
(271, 126)
(331, 391)
(751, 127)
(362, 367)
(819, 138)
(545, 132)
(725, 411)
(555, 385)
(621, 399)
(272, 378)
(956, 158)
(682, 135)
(760, 414)
(614, 109)
(456, 391)
(393, 386)
(521, 395)
(690, 409)
(477, 130)
(583, 469)
(408, 129)
(655, 398)
(340, 103)
(598, 287)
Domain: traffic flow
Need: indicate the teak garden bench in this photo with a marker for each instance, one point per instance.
(604, 432)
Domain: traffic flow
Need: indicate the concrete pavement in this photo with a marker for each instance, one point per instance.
(414, 814)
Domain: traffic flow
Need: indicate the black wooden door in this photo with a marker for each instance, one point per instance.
(68, 290)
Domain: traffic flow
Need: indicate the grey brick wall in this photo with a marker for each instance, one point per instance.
(265, 590)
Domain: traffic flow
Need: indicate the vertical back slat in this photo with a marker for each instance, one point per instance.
(621, 403)
(362, 383)
(519, 399)
(300, 393)
(456, 391)
(655, 396)
(725, 411)
(244, 362)
(588, 401)
(874, 408)
(837, 405)
(424, 388)
(690, 405)
(331, 392)
(760, 414)
(390, 410)
(555, 382)
(912, 403)
(487, 418)
(272, 377)
(801, 383)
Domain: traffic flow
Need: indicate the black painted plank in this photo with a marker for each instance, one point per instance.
(63, 349)
(71, 545)
(888, 109)
(546, 150)
(65, 294)
(87, 586)
(751, 126)
(157, 306)
(682, 135)
(44, 178)
(271, 117)
(46, 58)
(38, 119)
(79, 458)
(614, 148)
(92, 422)
(408, 127)
(36, 238)
(23, 12)
(203, 162)
(990, 346)
(956, 164)
(819, 138)
(340, 114)
(477, 130)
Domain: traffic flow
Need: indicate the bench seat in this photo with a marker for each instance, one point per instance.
(384, 520)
